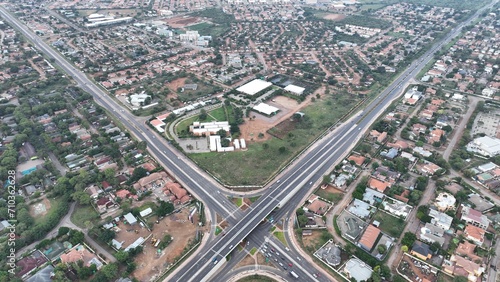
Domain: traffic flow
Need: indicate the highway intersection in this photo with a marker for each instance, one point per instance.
(289, 191)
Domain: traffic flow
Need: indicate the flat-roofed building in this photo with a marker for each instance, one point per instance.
(254, 87)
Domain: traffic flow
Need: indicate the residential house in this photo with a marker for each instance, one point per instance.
(178, 195)
(431, 233)
(459, 266)
(440, 219)
(78, 253)
(29, 263)
(445, 201)
(93, 191)
(435, 136)
(369, 238)
(154, 180)
(358, 270)
(103, 204)
(466, 250)
(421, 250)
(475, 234)
(357, 159)
(475, 217)
(378, 136)
(378, 185)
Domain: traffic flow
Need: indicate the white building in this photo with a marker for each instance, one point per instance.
(208, 128)
(357, 269)
(486, 146)
(440, 219)
(138, 100)
(254, 87)
(445, 201)
(432, 233)
(190, 35)
(297, 90)
(266, 109)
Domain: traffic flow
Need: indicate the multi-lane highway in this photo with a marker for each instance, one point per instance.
(185, 171)
(292, 186)
(311, 167)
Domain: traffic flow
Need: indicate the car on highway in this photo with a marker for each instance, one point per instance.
(290, 264)
(299, 259)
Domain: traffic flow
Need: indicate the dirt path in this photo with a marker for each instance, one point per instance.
(38, 69)
(299, 40)
(412, 225)
(458, 131)
(282, 30)
(320, 64)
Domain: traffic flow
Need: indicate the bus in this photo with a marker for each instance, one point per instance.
(294, 275)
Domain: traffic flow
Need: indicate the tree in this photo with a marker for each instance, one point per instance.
(203, 114)
(408, 239)
(404, 249)
(282, 149)
(381, 249)
(122, 256)
(106, 235)
(222, 133)
(460, 279)
(76, 237)
(164, 208)
(302, 220)
(63, 230)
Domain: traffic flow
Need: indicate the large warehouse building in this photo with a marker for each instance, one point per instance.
(254, 87)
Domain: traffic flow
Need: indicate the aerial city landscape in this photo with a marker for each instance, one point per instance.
(250, 140)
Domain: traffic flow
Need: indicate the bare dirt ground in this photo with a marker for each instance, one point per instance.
(248, 260)
(261, 124)
(40, 209)
(261, 260)
(334, 17)
(173, 86)
(178, 22)
(333, 190)
(149, 264)
(311, 240)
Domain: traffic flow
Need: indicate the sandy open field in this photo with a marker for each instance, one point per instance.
(40, 209)
(181, 229)
(334, 17)
(252, 127)
(178, 22)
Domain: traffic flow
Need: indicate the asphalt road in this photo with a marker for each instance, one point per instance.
(309, 169)
(295, 183)
(185, 172)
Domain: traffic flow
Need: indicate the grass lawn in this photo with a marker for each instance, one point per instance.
(83, 214)
(281, 236)
(218, 114)
(254, 199)
(253, 251)
(256, 278)
(390, 224)
(218, 230)
(260, 162)
(372, 6)
(238, 202)
(332, 197)
(54, 206)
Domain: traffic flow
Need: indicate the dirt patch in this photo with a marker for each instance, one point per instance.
(219, 218)
(40, 209)
(150, 263)
(175, 84)
(330, 189)
(281, 130)
(311, 240)
(248, 260)
(224, 224)
(261, 260)
(334, 17)
(247, 201)
(178, 22)
(261, 124)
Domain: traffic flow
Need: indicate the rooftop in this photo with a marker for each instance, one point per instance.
(254, 87)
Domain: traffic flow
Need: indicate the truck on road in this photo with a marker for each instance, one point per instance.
(294, 275)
